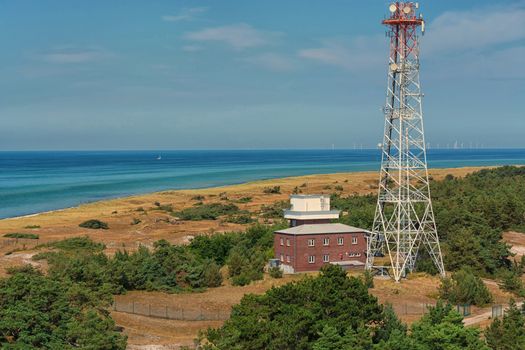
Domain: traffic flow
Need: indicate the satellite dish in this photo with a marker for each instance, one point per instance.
(379, 145)
(407, 10)
(417, 5)
(393, 67)
(393, 8)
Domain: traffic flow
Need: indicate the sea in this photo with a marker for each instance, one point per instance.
(33, 182)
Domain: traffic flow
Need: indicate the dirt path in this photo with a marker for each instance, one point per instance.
(484, 316)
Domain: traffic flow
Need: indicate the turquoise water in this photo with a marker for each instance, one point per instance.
(32, 182)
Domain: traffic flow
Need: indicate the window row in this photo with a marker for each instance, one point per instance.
(326, 241)
(326, 257)
(311, 258)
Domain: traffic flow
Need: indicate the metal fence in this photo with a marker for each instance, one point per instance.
(412, 309)
(21, 242)
(169, 312)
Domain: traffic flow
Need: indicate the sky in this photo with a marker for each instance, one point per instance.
(237, 74)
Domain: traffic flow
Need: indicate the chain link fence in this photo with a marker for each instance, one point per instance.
(169, 312)
(412, 309)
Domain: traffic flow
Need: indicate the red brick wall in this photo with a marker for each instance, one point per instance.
(299, 251)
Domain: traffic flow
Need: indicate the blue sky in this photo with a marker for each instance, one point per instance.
(117, 74)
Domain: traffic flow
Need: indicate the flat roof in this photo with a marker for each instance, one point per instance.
(320, 229)
(309, 196)
(348, 263)
(313, 212)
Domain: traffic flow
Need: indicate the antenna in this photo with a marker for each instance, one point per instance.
(393, 8)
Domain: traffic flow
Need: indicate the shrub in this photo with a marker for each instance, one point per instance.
(212, 275)
(511, 282)
(296, 190)
(303, 185)
(274, 210)
(165, 207)
(339, 188)
(207, 211)
(272, 190)
(136, 221)
(275, 272)
(197, 198)
(76, 244)
(368, 279)
(240, 219)
(94, 224)
(32, 226)
(241, 280)
(244, 200)
(22, 235)
(465, 287)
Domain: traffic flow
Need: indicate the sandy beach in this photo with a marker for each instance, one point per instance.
(156, 223)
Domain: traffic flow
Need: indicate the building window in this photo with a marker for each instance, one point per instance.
(282, 257)
(288, 258)
(326, 258)
(287, 242)
(311, 259)
(326, 241)
(294, 223)
(354, 239)
(282, 241)
(351, 255)
(340, 241)
(358, 254)
(311, 242)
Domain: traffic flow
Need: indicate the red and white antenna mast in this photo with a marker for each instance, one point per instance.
(404, 219)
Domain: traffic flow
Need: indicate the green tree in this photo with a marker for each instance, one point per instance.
(442, 329)
(465, 287)
(39, 312)
(294, 316)
(508, 333)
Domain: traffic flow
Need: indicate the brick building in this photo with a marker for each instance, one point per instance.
(312, 240)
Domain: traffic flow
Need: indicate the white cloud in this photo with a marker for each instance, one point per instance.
(475, 29)
(238, 36)
(187, 14)
(71, 55)
(272, 61)
(360, 54)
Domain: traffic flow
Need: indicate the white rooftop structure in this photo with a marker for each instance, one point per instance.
(310, 207)
(318, 229)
